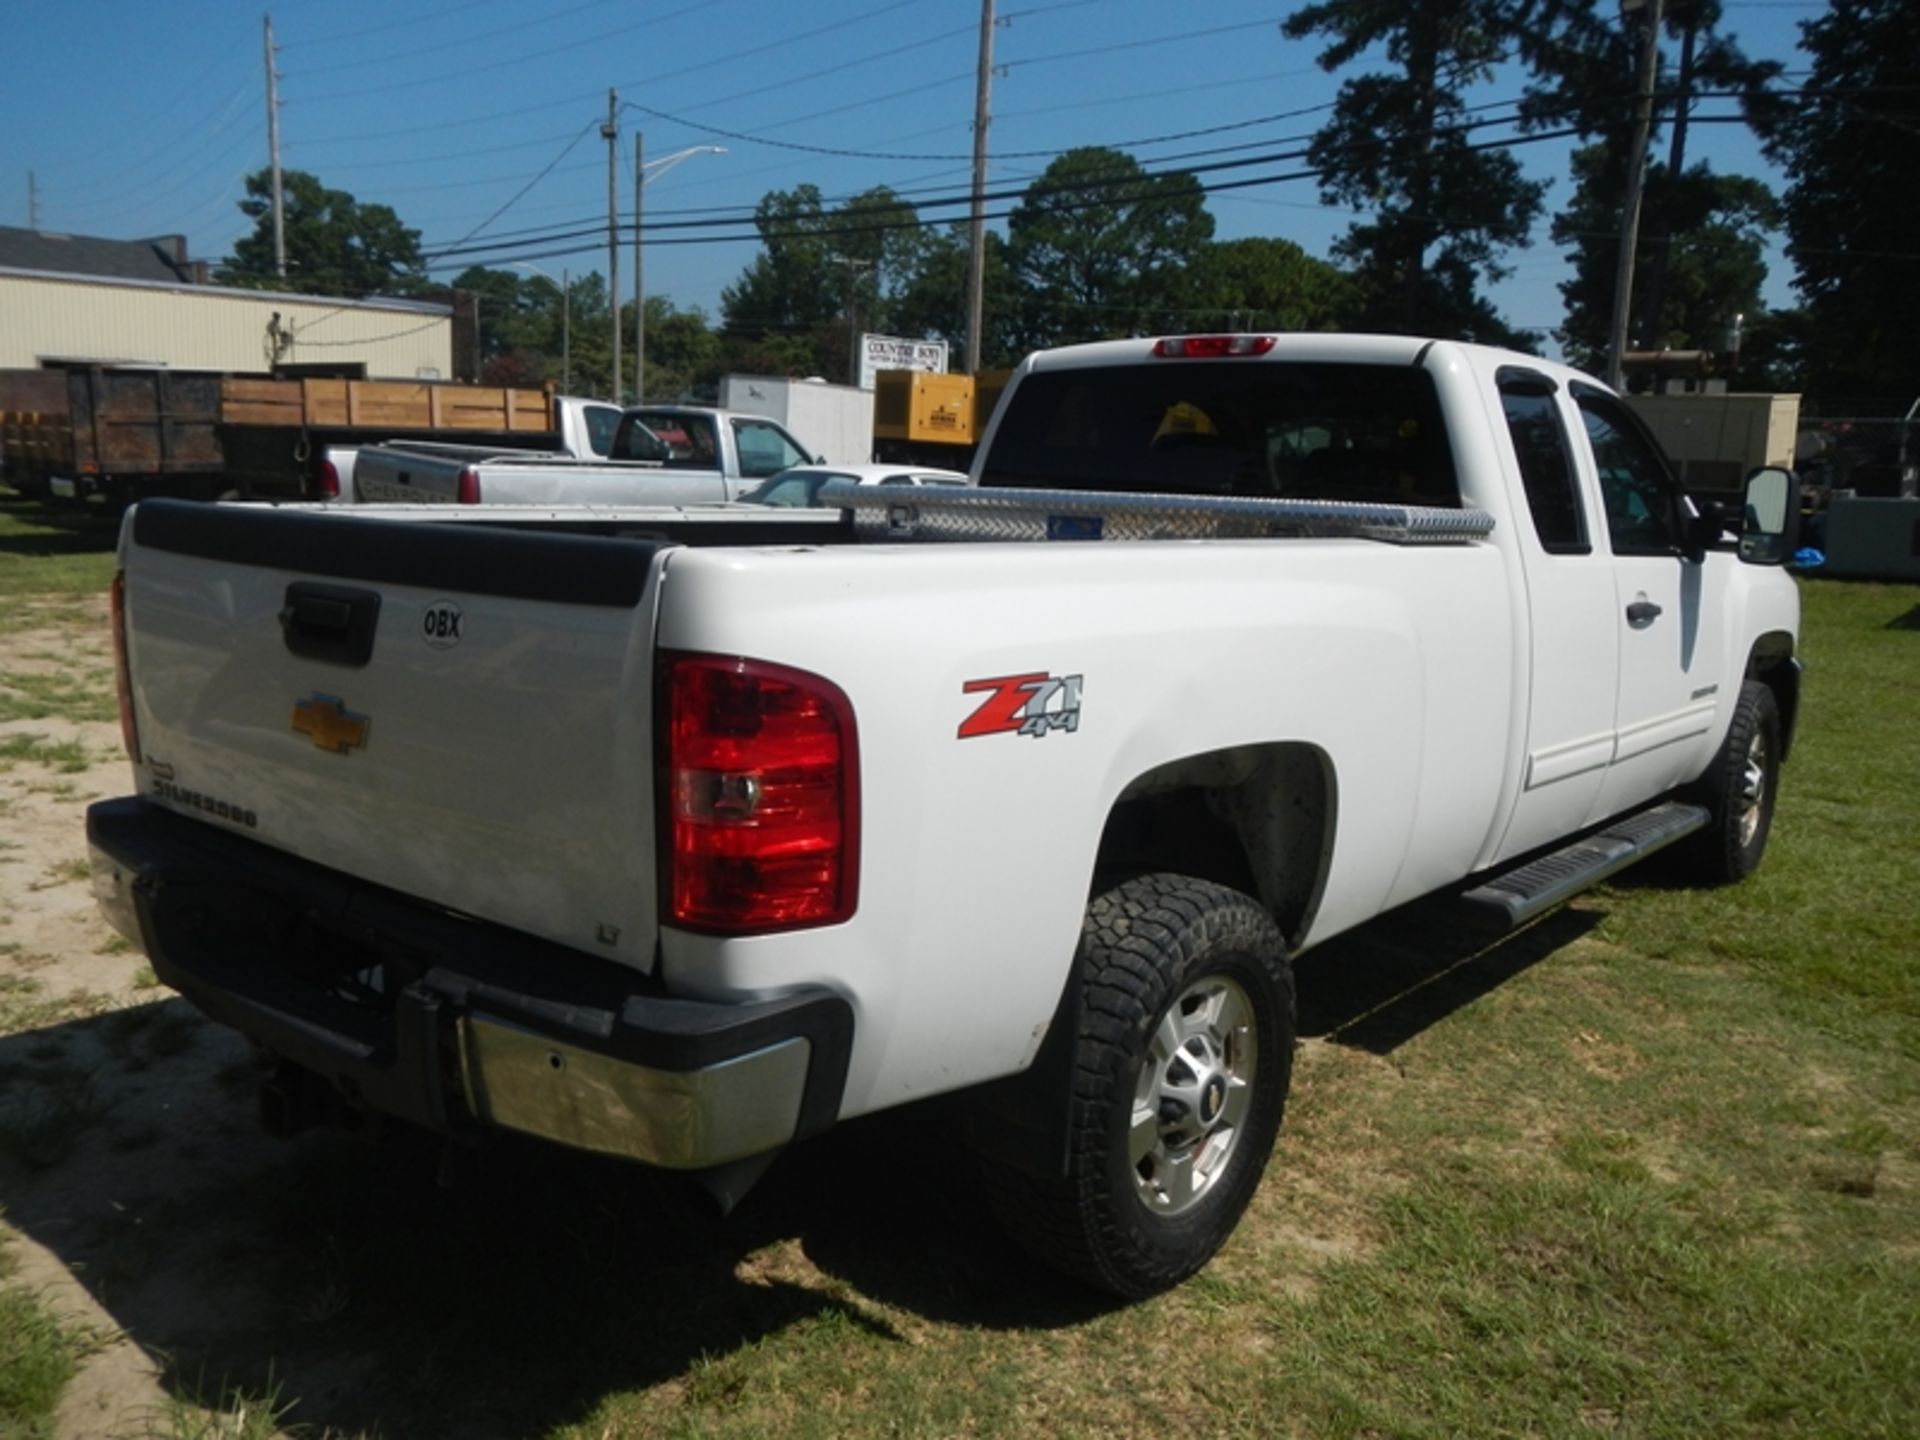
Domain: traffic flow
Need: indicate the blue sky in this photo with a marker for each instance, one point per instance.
(140, 119)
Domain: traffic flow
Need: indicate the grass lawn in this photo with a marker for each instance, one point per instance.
(1651, 1167)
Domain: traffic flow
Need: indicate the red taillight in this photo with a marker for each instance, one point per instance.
(468, 491)
(760, 795)
(329, 480)
(1212, 347)
(122, 675)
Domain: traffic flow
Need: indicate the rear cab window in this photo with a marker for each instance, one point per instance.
(1263, 429)
(602, 421)
(689, 439)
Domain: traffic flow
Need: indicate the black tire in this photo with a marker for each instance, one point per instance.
(1738, 790)
(1163, 956)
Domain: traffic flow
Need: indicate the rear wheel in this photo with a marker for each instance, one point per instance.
(1184, 1051)
(1739, 792)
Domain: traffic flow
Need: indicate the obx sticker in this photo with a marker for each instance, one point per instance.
(440, 625)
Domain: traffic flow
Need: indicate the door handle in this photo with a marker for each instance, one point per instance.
(1641, 613)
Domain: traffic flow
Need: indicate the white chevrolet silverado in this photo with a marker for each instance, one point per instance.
(582, 430)
(681, 835)
(652, 455)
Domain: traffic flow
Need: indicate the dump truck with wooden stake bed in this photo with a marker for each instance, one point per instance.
(682, 834)
(129, 432)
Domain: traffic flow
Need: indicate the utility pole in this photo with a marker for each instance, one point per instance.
(33, 202)
(639, 286)
(977, 226)
(1676, 166)
(854, 267)
(273, 154)
(1636, 180)
(610, 132)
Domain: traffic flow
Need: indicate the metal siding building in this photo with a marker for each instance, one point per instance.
(48, 316)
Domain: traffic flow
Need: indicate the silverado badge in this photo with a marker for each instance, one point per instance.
(328, 722)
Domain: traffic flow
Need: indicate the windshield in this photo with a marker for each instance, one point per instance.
(788, 488)
(1256, 428)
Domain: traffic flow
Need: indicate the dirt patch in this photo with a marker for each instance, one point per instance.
(108, 1085)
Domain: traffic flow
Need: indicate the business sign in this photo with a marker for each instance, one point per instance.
(888, 352)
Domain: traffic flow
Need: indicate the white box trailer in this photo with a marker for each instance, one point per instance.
(1716, 440)
(834, 422)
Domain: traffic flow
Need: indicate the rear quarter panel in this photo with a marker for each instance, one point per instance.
(977, 853)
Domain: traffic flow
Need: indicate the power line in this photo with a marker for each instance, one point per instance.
(653, 79)
(761, 139)
(426, 260)
(247, 93)
(944, 198)
(413, 52)
(360, 32)
(1271, 23)
(1141, 192)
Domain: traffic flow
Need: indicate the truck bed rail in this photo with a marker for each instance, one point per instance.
(967, 513)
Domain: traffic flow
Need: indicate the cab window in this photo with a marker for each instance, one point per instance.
(764, 448)
(689, 438)
(602, 422)
(1356, 432)
(1641, 499)
(1545, 461)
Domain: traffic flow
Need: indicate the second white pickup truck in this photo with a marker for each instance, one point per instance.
(657, 455)
(681, 836)
(583, 430)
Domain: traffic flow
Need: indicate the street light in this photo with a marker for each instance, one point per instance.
(566, 321)
(640, 179)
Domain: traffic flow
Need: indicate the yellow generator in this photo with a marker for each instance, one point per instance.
(926, 419)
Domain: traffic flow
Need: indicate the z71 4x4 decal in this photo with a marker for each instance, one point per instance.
(1023, 705)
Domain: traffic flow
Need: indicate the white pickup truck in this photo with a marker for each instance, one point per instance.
(583, 430)
(656, 455)
(680, 836)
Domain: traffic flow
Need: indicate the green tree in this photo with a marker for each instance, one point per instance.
(1711, 230)
(517, 312)
(1700, 259)
(684, 355)
(1098, 248)
(1852, 157)
(1268, 284)
(335, 245)
(932, 303)
(592, 357)
(1398, 143)
(823, 273)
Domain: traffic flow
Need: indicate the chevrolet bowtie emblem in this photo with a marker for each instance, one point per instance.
(331, 725)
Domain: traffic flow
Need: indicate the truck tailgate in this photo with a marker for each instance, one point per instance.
(460, 713)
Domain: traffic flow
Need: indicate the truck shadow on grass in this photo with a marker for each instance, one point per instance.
(347, 1275)
(33, 528)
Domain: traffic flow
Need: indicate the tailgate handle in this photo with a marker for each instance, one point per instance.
(334, 623)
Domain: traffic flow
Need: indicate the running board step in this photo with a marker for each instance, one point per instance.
(1518, 895)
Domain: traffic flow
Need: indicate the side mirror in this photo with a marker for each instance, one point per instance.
(1770, 519)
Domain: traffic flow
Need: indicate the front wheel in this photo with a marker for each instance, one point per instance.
(1183, 1056)
(1739, 790)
